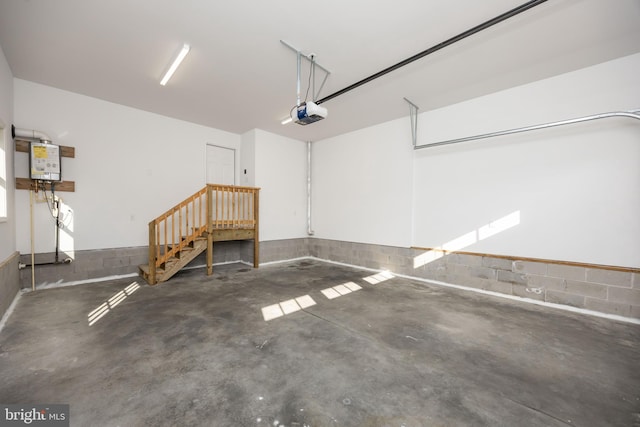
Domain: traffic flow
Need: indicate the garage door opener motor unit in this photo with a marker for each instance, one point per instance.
(307, 112)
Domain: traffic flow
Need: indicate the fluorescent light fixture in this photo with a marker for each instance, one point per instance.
(286, 121)
(176, 64)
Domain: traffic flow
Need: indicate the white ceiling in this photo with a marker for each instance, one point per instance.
(239, 76)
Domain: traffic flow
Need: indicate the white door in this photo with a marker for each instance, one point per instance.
(221, 165)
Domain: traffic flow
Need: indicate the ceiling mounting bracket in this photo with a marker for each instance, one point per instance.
(311, 58)
(413, 114)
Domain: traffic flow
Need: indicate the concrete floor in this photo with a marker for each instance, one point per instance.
(198, 351)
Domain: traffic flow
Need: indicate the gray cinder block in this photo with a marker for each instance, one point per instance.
(566, 271)
(497, 263)
(609, 277)
(559, 297)
(623, 295)
(530, 267)
(530, 292)
(593, 290)
(508, 276)
(545, 282)
(610, 307)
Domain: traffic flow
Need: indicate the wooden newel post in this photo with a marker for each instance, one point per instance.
(152, 252)
(209, 230)
(256, 238)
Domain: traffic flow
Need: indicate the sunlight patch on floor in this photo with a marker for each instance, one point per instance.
(111, 303)
(380, 277)
(287, 307)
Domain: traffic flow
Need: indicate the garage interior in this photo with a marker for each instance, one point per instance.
(409, 214)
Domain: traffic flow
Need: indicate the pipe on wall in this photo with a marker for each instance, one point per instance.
(33, 255)
(310, 231)
(43, 137)
(31, 134)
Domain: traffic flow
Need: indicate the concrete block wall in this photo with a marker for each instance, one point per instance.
(603, 289)
(225, 252)
(86, 265)
(242, 251)
(100, 263)
(278, 250)
(395, 259)
(9, 281)
(615, 291)
(606, 290)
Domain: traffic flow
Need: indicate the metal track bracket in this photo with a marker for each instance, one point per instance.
(311, 58)
(633, 114)
(413, 114)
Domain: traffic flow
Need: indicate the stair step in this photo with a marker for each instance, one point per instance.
(198, 240)
(144, 269)
(174, 264)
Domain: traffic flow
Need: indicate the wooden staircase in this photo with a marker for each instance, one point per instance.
(215, 213)
(176, 262)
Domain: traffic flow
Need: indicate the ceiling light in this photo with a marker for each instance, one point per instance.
(176, 64)
(286, 121)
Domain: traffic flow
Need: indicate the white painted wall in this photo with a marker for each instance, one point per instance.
(362, 185)
(280, 172)
(7, 225)
(248, 159)
(577, 189)
(130, 167)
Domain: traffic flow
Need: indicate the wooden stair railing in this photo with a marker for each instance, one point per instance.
(213, 214)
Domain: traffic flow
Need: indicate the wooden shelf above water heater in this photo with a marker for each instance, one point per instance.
(29, 184)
